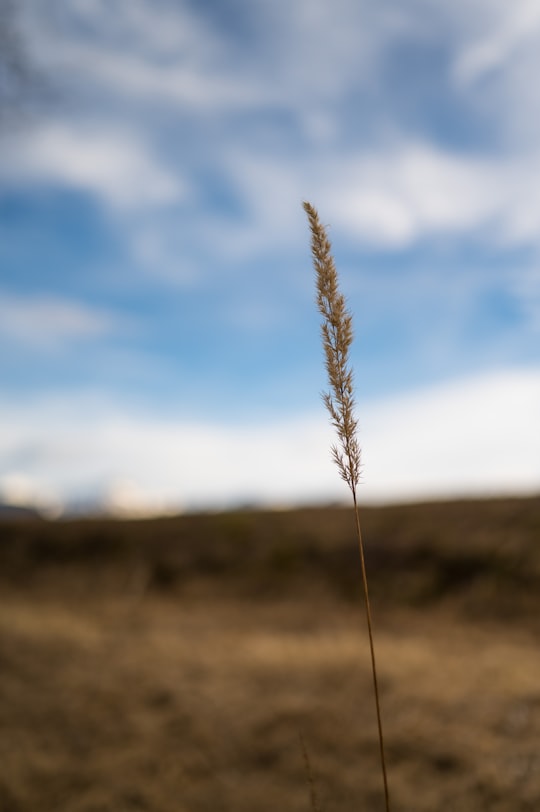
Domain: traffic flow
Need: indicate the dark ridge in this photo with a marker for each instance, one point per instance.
(8, 511)
(484, 552)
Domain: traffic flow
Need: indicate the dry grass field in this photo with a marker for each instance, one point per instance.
(172, 664)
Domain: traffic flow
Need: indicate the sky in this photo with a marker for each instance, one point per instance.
(159, 337)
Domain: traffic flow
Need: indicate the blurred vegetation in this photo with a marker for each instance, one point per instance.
(169, 665)
(485, 552)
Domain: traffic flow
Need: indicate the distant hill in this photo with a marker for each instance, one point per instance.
(8, 511)
(483, 555)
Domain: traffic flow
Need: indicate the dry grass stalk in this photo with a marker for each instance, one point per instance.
(337, 336)
(314, 802)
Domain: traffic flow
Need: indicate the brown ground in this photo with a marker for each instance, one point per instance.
(172, 665)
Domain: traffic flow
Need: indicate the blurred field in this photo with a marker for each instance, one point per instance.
(171, 664)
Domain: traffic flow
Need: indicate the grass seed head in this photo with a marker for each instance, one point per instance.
(337, 336)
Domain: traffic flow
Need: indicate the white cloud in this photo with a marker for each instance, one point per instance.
(305, 57)
(161, 51)
(390, 197)
(48, 322)
(153, 53)
(416, 191)
(473, 436)
(316, 52)
(80, 450)
(495, 61)
(201, 90)
(506, 31)
(478, 436)
(158, 28)
(113, 166)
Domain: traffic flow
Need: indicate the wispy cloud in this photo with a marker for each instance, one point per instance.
(506, 33)
(392, 197)
(495, 62)
(49, 323)
(114, 166)
(417, 191)
(405, 189)
(159, 51)
(151, 53)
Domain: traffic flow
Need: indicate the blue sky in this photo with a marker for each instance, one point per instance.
(160, 344)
